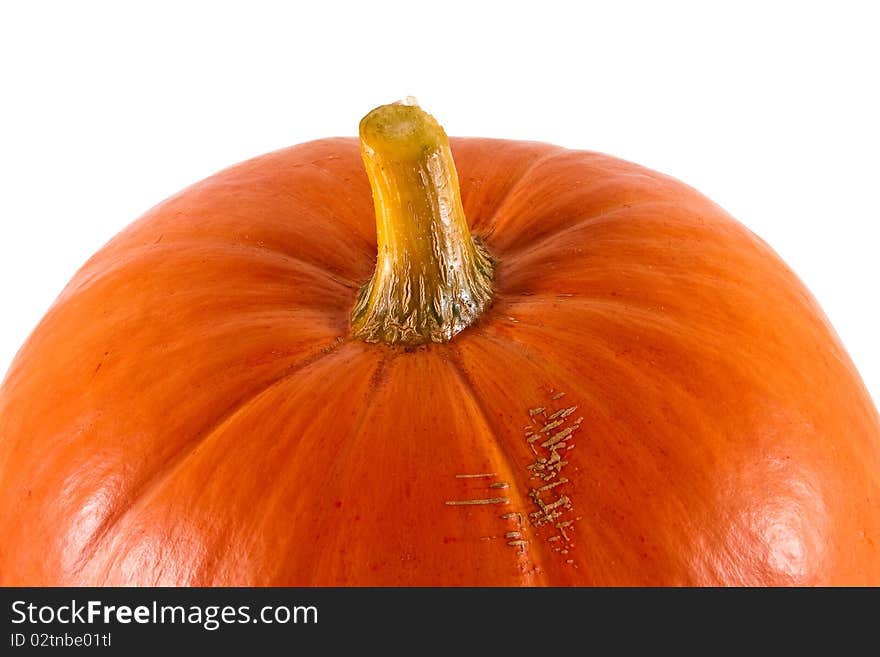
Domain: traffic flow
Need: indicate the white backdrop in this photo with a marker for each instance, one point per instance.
(772, 109)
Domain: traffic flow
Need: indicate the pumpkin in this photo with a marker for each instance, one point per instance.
(366, 363)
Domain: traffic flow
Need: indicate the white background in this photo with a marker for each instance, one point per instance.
(769, 108)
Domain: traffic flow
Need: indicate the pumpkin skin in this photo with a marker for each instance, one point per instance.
(193, 411)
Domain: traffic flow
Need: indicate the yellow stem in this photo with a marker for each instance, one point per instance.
(432, 279)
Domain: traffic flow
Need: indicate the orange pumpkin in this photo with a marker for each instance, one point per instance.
(615, 384)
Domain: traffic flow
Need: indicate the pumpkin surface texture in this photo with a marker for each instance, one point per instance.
(561, 369)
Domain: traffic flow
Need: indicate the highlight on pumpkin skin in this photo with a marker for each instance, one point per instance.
(432, 279)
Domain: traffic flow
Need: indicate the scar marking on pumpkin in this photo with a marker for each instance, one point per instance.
(562, 501)
(561, 481)
(559, 435)
(491, 500)
(536, 498)
(547, 467)
(551, 425)
(517, 540)
(540, 518)
(563, 412)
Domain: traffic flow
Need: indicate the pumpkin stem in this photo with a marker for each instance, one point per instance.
(432, 279)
